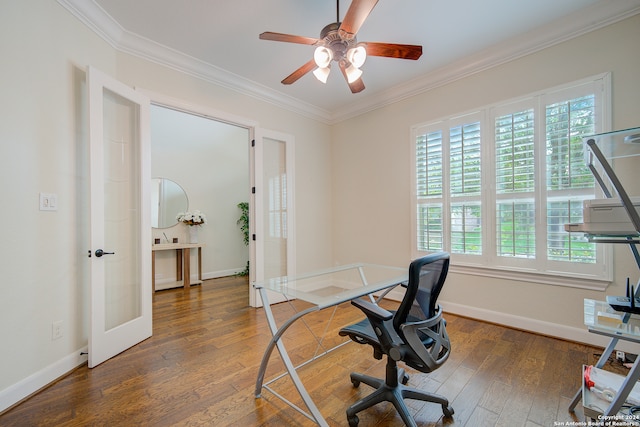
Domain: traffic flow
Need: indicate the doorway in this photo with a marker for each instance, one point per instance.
(208, 160)
(263, 150)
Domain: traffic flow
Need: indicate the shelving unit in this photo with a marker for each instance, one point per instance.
(594, 403)
(619, 326)
(604, 150)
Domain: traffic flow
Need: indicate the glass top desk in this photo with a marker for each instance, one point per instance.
(323, 289)
(601, 319)
(614, 155)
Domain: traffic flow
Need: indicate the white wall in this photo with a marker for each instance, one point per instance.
(371, 168)
(43, 148)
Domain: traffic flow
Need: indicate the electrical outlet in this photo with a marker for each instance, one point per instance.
(621, 356)
(56, 330)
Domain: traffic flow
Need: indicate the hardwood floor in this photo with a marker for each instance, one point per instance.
(200, 366)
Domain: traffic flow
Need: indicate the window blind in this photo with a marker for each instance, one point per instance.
(565, 124)
(464, 151)
(515, 184)
(429, 164)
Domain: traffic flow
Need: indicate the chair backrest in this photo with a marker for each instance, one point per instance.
(426, 278)
(428, 339)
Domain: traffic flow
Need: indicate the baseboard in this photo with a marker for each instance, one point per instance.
(222, 273)
(205, 276)
(569, 333)
(21, 390)
(162, 284)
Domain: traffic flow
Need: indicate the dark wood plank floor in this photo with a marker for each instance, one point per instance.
(200, 366)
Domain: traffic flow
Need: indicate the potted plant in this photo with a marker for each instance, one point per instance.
(243, 222)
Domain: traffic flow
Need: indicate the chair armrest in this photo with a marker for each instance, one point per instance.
(437, 352)
(371, 309)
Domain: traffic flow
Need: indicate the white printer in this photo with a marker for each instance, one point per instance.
(606, 217)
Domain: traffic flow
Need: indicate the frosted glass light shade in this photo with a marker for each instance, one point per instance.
(353, 73)
(322, 74)
(357, 55)
(323, 56)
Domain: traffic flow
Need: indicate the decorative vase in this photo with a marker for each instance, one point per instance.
(193, 234)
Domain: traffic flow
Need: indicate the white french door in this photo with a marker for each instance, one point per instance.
(274, 216)
(120, 254)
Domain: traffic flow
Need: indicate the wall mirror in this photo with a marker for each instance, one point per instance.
(167, 200)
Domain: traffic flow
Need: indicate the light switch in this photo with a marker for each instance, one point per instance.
(48, 202)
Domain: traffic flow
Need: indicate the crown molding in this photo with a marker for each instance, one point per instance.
(97, 20)
(599, 15)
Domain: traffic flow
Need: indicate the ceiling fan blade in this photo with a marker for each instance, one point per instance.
(393, 50)
(288, 38)
(358, 11)
(356, 86)
(293, 77)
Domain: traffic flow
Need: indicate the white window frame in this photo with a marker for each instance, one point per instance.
(589, 276)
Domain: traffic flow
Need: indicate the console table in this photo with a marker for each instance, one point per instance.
(183, 262)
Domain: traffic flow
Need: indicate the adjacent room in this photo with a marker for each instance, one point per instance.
(188, 180)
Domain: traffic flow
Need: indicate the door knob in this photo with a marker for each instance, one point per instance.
(100, 252)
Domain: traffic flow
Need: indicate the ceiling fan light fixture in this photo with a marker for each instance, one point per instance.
(353, 73)
(323, 56)
(337, 42)
(322, 74)
(357, 55)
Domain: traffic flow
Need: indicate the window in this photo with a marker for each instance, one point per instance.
(496, 186)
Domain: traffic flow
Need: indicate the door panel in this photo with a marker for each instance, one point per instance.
(120, 218)
(274, 208)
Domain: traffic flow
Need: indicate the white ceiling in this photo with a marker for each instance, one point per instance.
(218, 40)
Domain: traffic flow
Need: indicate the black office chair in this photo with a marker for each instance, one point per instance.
(415, 334)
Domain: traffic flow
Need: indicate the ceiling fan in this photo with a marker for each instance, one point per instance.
(338, 43)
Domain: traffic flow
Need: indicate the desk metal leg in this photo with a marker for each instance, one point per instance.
(273, 342)
(277, 342)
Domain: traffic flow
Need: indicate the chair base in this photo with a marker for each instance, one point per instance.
(392, 390)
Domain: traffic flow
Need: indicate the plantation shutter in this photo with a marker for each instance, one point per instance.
(429, 184)
(515, 184)
(465, 188)
(465, 153)
(566, 124)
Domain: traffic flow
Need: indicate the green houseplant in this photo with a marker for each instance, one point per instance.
(243, 222)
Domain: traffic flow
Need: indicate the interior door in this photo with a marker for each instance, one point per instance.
(274, 216)
(120, 254)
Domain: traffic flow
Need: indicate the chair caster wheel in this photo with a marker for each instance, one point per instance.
(447, 411)
(353, 421)
(405, 379)
(356, 384)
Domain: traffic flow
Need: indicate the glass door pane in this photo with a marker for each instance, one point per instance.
(121, 211)
(275, 212)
